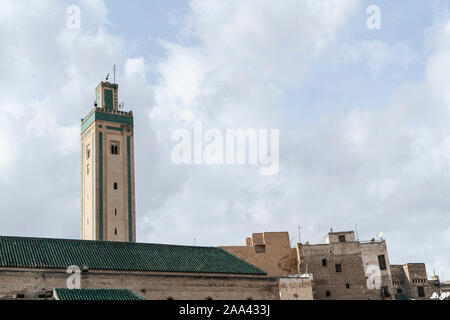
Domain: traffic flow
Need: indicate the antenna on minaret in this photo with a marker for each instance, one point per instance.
(114, 71)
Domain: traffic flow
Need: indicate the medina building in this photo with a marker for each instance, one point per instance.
(107, 257)
(342, 268)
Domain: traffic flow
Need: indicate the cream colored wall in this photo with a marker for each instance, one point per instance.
(87, 219)
(114, 170)
(369, 253)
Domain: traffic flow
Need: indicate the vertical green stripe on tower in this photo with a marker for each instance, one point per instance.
(82, 190)
(100, 183)
(93, 188)
(130, 216)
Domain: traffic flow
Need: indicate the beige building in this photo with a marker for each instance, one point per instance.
(107, 170)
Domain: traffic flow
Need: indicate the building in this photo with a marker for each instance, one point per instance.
(410, 281)
(31, 268)
(338, 268)
(271, 252)
(107, 170)
(342, 268)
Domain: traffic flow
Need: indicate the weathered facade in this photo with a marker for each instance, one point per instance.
(411, 280)
(338, 270)
(342, 268)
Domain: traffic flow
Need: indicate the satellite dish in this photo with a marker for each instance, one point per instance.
(380, 235)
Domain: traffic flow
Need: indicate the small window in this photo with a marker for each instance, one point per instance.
(342, 238)
(338, 267)
(20, 296)
(382, 262)
(115, 185)
(115, 212)
(324, 262)
(384, 292)
(260, 248)
(115, 231)
(114, 147)
(88, 151)
(347, 285)
(399, 291)
(328, 294)
(421, 292)
(87, 169)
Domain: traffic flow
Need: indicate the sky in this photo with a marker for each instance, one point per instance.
(363, 116)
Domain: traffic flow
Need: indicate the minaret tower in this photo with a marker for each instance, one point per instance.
(107, 170)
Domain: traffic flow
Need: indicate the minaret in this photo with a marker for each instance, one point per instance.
(107, 170)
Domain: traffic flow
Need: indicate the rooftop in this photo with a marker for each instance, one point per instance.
(20, 252)
(96, 294)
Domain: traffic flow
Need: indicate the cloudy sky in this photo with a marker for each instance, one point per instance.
(364, 117)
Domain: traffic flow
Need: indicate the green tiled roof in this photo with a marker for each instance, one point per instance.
(102, 255)
(96, 294)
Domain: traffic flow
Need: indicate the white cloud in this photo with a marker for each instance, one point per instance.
(385, 169)
(377, 55)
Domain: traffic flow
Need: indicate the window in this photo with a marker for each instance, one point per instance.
(115, 185)
(88, 151)
(114, 147)
(347, 285)
(115, 231)
(87, 169)
(342, 238)
(328, 294)
(115, 212)
(324, 262)
(260, 248)
(382, 262)
(384, 292)
(338, 267)
(421, 292)
(399, 291)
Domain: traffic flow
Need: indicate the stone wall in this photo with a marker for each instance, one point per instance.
(38, 284)
(330, 284)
